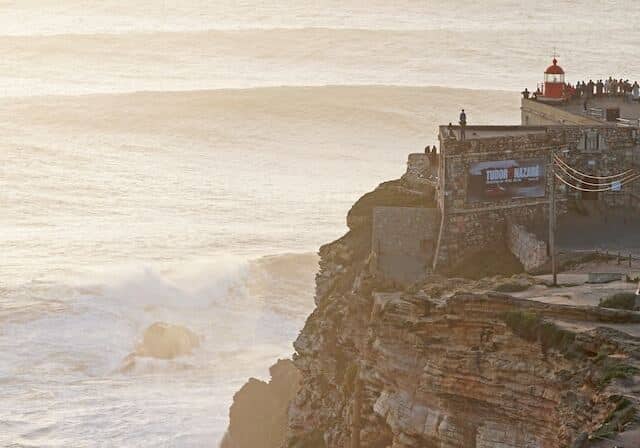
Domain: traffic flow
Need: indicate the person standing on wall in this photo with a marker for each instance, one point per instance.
(463, 125)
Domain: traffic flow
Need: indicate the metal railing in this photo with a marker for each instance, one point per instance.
(628, 123)
(595, 112)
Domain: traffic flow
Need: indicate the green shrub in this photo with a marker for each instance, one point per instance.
(620, 301)
(552, 336)
(616, 371)
(523, 323)
(532, 327)
(623, 413)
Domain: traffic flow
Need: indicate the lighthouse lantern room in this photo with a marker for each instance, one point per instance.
(554, 81)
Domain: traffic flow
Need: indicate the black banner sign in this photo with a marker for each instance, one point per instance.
(506, 179)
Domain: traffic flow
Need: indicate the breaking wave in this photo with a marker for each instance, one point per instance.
(226, 320)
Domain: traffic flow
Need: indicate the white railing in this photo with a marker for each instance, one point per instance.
(628, 123)
(595, 112)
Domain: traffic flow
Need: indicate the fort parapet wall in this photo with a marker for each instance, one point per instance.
(403, 240)
(470, 222)
(422, 170)
(536, 113)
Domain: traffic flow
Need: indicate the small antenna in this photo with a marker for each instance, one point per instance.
(555, 53)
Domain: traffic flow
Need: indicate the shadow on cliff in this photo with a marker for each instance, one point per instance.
(258, 415)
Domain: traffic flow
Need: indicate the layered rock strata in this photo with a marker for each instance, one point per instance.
(446, 363)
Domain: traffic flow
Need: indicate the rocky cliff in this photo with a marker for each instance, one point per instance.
(448, 363)
(258, 416)
(451, 362)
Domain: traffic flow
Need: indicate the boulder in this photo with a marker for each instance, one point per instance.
(167, 341)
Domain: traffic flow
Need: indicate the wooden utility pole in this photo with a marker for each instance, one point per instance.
(552, 219)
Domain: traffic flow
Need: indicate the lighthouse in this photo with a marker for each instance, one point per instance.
(554, 81)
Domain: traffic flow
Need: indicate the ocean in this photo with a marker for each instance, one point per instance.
(181, 162)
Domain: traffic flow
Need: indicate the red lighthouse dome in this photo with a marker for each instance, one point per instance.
(554, 81)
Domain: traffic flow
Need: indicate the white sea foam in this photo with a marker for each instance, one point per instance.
(79, 353)
(115, 221)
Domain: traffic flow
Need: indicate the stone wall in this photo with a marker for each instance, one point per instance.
(403, 240)
(601, 151)
(464, 233)
(431, 366)
(635, 201)
(468, 226)
(526, 246)
(421, 169)
(536, 113)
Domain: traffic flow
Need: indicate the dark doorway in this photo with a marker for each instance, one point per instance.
(613, 114)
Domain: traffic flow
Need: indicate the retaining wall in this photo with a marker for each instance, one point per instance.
(403, 240)
(526, 246)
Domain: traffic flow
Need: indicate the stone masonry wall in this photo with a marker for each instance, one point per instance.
(403, 240)
(469, 226)
(538, 113)
(420, 169)
(464, 233)
(525, 245)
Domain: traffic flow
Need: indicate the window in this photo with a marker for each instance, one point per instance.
(550, 77)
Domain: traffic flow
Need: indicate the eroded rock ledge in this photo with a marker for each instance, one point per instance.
(439, 366)
(448, 363)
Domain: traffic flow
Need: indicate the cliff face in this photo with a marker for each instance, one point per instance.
(438, 366)
(448, 362)
(258, 416)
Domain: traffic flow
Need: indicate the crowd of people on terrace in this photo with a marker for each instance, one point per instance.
(609, 87)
